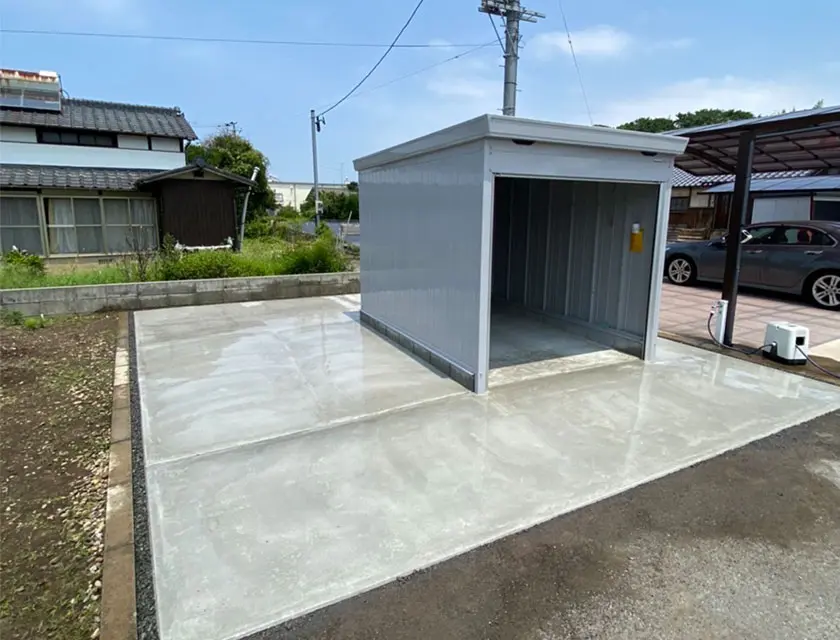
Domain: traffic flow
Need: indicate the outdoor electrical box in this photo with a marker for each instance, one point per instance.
(786, 343)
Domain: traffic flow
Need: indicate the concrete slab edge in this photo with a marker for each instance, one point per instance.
(807, 371)
(146, 606)
(435, 360)
(54, 301)
(117, 619)
(266, 632)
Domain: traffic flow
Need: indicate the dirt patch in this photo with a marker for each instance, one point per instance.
(56, 389)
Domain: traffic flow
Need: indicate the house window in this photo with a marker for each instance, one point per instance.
(679, 203)
(19, 224)
(77, 138)
(100, 225)
(130, 224)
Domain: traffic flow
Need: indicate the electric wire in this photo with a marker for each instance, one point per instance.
(285, 43)
(764, 346)
(575, 61)
(814, 364)
(498, 37)
(378, 62)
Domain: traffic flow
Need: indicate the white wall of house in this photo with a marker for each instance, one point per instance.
(781, 209)
(19, 145)
(10, 133)
(294, 194)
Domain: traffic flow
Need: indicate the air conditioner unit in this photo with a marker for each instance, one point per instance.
(785, 342)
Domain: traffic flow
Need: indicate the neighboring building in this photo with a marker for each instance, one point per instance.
(702, 203)
(790, 198)
(88, 179)
(294, 194)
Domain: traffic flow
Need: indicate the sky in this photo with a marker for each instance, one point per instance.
(639, 58)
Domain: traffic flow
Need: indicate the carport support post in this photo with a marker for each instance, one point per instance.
(740, 204)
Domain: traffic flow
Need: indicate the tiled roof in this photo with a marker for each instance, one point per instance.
(17, 175)
(92, 115)
(685, 179)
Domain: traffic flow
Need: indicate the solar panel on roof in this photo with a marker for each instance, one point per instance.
(30, 90)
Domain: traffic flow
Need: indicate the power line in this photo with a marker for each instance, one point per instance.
(574, 60)
(498, 37)
(285, 43)
(424, 69)
(378, 62)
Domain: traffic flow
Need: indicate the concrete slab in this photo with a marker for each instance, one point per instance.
(218, 376)
(246, 535)
(525, 347)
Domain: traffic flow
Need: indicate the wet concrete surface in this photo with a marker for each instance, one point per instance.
(746, 545)
(267, 502)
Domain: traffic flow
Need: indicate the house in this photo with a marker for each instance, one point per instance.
(294, 194)
(701, 203)
(83, 180)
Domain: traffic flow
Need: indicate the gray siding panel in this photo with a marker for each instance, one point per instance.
(421, 250)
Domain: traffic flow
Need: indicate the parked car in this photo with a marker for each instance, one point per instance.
(802, 258)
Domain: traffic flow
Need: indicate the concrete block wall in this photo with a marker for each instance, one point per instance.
(56, 301)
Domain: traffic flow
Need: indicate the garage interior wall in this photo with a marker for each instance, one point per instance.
(562, 248)
(421, 258)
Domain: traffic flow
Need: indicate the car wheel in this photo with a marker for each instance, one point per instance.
(824, 290)
(681, 270)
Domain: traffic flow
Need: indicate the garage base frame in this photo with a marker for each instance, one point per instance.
(435, 360)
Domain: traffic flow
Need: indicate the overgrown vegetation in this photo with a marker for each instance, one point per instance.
(336, 205)
(272, 247)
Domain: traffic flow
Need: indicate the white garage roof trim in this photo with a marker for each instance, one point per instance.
(520, 129)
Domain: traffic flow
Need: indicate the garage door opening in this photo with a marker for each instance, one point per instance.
(569, 290)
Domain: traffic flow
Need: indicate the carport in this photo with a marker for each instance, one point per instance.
(503, 248)
(793, 141)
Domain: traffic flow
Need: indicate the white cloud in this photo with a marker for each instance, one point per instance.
(602, 41)
(599, 41)
(729, 92)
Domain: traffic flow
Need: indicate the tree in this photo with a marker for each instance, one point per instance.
(336, 205)
(353, 186)
(685, 120)
(649, 125)
(236, 154)
(703, 117)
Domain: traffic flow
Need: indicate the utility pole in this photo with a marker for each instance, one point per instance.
(513, 13)
(315, 122)
(231, 126)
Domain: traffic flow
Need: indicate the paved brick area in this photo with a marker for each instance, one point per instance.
(685, 311)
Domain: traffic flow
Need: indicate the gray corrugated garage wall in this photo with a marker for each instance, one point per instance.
(562, 248)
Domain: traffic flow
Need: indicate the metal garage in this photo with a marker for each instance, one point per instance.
(506, 243)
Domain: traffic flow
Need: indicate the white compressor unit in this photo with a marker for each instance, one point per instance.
(785, 342)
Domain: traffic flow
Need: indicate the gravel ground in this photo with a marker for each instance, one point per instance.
(746, 545)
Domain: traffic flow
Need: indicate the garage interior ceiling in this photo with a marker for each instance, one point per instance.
(790, 141)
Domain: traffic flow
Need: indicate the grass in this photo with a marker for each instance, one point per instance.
(55, 413)
(265, 256)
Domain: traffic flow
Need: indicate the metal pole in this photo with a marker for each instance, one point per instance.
(511, 57)
(315, 121)
(740, 205)
(245, 209)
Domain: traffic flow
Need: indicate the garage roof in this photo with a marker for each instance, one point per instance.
(811, 183)
(527, 132)
(787, 142)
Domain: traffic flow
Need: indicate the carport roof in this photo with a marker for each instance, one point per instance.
(809, 183)
(525, 132)
(787, 142)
